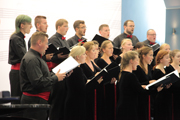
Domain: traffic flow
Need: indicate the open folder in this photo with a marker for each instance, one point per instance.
(107, 70)
(155, 48)
(67, 65)
(53, 49)
(167, 79)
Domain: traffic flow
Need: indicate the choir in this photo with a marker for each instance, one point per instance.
(119, 90)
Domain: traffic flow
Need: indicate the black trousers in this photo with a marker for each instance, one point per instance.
(15, 85)
(38, 114)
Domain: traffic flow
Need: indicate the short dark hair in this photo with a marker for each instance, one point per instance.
(77, 23)
(125, 23)
(38, 19)
(38, 36)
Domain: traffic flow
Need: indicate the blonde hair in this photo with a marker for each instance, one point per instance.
(104, 45)
(123, 42)
(88, 45)
(77, 51)
(163, 45)
(38, 36)
(60, 22)
(143, 51)
(130, 55)
(173, 53)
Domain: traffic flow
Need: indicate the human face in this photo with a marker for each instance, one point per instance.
(165, 60)
(43, 25)
(44, 46)
(151, 36)
(105, 32)
(108, 50)
(97, 51)
(148, 58)
(81, 30)
(129, 28)
(176, 58)
(82, 58)
(167, 48)
(26, 27)
(63, 29)
(91, 53)
(127, 46)
(135, 62)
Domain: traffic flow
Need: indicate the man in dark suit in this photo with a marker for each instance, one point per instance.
(80, 28)
(151, 39)
(128, 31)
(104, 30)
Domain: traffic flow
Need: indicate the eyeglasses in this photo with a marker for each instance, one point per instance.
(82, 27)
(131, 26)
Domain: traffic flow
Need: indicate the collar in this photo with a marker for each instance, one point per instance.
(76, 37)
(20, 35)
(35, 52)
(59, 35)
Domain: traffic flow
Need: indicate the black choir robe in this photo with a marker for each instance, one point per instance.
(75, 102)
(143, 100)
(91, 87)
(129, 91)
(175, 95)
(163, 100)
(109, 93)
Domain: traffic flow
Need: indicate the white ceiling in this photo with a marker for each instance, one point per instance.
(172, 4)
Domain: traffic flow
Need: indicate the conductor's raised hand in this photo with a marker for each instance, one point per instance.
(60, 76)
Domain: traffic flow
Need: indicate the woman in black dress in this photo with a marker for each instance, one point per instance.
(90, 70)
(175, 62)
(162, 105)
(144, 75)
(110, 87)
(126, 45)
(75, 99)
(129, 88)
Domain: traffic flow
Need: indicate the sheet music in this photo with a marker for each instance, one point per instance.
(162, 78)
(66, 66)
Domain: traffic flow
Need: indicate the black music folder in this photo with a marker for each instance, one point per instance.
(99, 39)
(51, 49)
(165, 80)
(102, 73)
(63, 50)
(155, 48)
(117, 51)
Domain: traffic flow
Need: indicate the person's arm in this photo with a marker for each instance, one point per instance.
(36, 77)
(18, 46)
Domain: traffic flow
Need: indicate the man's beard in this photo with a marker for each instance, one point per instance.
(129, 32)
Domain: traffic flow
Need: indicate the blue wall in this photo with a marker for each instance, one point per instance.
(146, 14)
(172, 21)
